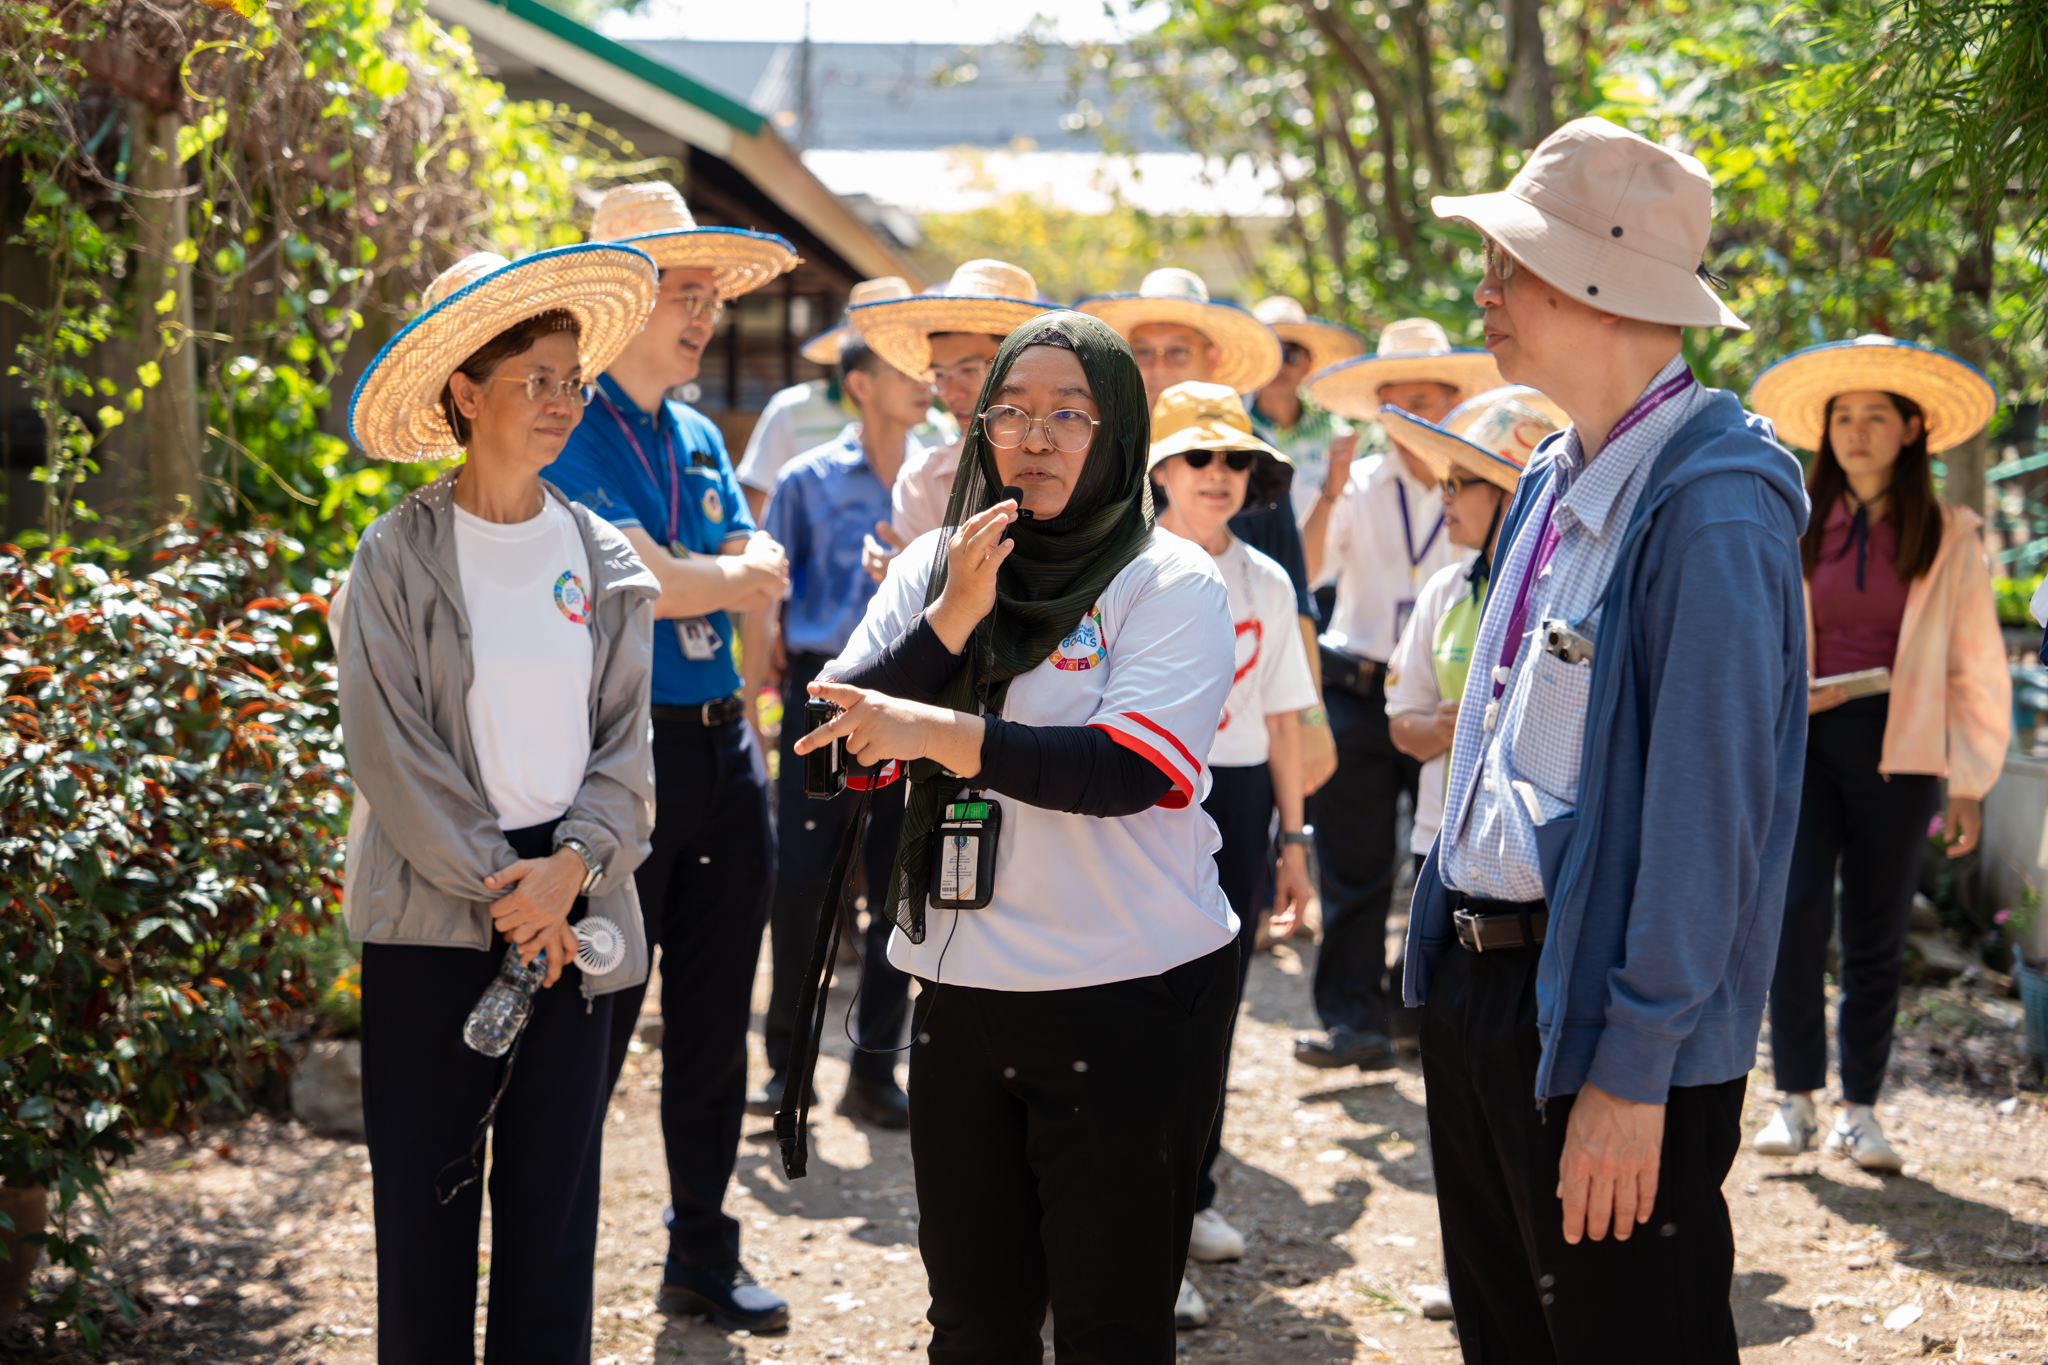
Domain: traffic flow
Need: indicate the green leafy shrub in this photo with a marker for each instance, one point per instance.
(2013, 596)
(171, 806)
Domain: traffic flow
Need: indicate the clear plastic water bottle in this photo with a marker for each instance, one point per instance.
(505, 1005)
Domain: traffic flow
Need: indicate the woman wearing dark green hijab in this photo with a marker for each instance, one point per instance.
(1068, 663)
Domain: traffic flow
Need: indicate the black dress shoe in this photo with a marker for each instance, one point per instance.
(726, 1294)
(881, 1103)
(1345, 1047)
(764, 1102)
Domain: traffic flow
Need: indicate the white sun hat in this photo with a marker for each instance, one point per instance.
(1327, 342)
(1247, 350)
(1610, 218)
(652, 216)
(1500, 432)
(395, 413)
(824, 348)
(1954, 396)
(1413, 350)
(992, 297)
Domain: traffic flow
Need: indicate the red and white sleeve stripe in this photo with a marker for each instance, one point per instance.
(1161, 748)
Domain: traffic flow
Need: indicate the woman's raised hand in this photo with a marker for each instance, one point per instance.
(973, 555)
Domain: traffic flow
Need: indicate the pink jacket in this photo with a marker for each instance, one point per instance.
(1951, 706)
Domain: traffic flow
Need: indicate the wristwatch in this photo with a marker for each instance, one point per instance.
(1304, 837)
(593, 869)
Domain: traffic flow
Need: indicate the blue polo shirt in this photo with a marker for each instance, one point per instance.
(825, 502)
(598, 468)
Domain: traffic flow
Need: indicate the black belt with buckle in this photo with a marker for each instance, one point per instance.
(1488, 926)
(717, 711)
(1349, 673)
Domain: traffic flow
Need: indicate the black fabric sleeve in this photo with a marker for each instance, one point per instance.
(916, 666)
(1071, 768)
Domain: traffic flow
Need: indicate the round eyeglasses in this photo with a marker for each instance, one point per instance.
(1238, 460)
(1453, 485)
(968, 373)
(1068, 430)
(541, 388)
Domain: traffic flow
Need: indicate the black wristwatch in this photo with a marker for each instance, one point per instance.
(1305, 837)
(593, 869)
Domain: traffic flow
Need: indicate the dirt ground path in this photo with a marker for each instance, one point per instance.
(256, 1243)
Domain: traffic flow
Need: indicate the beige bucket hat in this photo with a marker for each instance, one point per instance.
(1327, 342)
(1610, 218)
(1248, 351)
(1412, 350)
(1494, 437)
(1954, 396)
(987, 296)
(1197, 416)
(824, 348)
(395, 412)
(652, 216)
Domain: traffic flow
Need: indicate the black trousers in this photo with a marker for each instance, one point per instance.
(808, 834)
(704, 897)
(1522, 1295)
(1055, 1136)
(1241, 803)
(1354, 820)
(1876, 829)
(424, 1091)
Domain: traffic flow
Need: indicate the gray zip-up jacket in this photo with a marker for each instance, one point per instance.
(423, 836)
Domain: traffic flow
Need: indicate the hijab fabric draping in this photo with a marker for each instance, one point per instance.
(1057, 572)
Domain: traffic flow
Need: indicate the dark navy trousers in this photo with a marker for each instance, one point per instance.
(1241, 803)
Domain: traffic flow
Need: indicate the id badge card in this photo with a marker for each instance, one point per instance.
(1403, 609)
(700, 641)
(963, 873)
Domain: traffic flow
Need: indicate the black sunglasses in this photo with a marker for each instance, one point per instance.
(1293, 353)
(1238, 460)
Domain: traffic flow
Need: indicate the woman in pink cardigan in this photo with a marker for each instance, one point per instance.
(1897, 590)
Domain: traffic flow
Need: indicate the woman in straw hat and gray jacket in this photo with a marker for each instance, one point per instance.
(1898, 602)
(493, 647)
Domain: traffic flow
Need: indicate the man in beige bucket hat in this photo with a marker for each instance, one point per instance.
(1593, 935)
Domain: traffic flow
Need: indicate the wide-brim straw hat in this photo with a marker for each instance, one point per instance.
(1247, 350)
(1413, 350)
(653, 217)
(991, 297)
(825, 347)
(1468, 412)
(607, 287)
(1197, 416)
(1954, 396)
(1326, 342)
(1611, 219)
(1499, 436)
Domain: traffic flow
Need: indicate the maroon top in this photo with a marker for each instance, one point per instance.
(1856, 628)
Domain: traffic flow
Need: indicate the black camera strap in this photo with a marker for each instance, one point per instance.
(792, 1120)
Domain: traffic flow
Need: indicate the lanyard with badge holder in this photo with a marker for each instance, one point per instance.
(1405, 607)
(695, 634)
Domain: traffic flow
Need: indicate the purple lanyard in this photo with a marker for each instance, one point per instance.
(1511, 647)
(675, 495)
(1407, 529)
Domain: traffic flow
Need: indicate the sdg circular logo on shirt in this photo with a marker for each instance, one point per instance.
(571, 599)
(1084, 648)
(714, 506)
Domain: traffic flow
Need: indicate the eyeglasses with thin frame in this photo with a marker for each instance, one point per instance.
(542, 388)
(968, 373)
(1238, 460)
(1498, 262)
(1171, 355)
(1069, 430)
(697, 304)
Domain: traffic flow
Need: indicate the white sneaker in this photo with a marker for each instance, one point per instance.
(1433, 1299)
(1214, 1240)
(1190, 1309)
(1790, 1130)
(1858, 1136)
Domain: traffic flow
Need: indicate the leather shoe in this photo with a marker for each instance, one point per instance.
(881, 1103)
(726, 1294)
(1345, 1047)
(764, 1102)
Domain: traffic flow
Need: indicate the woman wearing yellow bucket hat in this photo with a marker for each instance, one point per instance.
(493, 651)
(1910, 687)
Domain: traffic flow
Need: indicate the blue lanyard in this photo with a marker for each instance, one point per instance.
(1408, 531)
(675, 496)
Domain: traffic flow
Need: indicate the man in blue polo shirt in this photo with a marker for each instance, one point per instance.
(825, 503)
(659, 471)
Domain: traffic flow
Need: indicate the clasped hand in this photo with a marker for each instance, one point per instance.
(535, 914)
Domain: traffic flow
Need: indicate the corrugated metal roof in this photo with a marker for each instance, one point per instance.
(910, 96)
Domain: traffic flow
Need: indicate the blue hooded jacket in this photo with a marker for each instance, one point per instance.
(1666, 886)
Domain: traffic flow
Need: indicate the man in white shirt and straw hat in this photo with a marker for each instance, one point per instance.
(1282, 414)
(658, 470)
(1179, 335)
(1379, 528)
(1593, 937)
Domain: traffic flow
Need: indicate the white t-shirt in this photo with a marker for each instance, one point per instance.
(526, 587)
(798, 418)
(1382, 557)
(1411, 689)
(918, 501)
(1080, 900)
(1272, 667)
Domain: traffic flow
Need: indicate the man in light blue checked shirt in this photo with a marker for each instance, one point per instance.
(1593, 936)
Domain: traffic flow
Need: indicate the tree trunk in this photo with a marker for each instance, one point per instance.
(1530, 99)
(1969, 336)
(170, 410)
